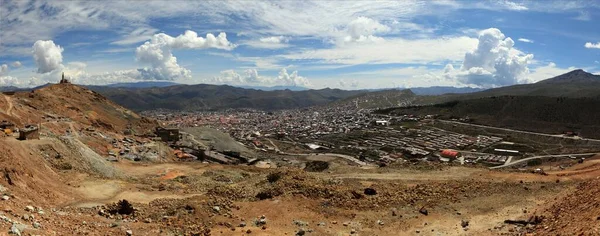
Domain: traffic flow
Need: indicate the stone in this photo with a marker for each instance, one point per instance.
(394, 212)
(321, 224)
(370, 191)
(129, 232)
(242, 224)
(5, 198)
(380, 222)
(464, 223)
(300, 232)
(37, 225)
(352, 231)
(216, 208)
(147, 220)
(29, 208)
(248, 231)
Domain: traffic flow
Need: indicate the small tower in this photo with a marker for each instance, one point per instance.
(63, 80)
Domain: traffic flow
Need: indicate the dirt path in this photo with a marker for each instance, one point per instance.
(10, 105)
(100, 192)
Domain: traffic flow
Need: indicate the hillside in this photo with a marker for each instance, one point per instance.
(529, 113)
(379, 99)
(214, 97)
(67, 102)
(574, 84)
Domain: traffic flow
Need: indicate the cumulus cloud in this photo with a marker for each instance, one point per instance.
(348, 84)
(251, 77)
(525, 40)
(9, 81)
(16, 64)
(47, 55)
(272, 42)
(592, 45)
(3, 69)
(364, 29)
(158, 53)
(493, 63)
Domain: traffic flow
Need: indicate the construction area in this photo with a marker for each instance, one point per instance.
(90, 167)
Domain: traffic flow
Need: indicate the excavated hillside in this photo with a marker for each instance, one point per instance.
(71, 103)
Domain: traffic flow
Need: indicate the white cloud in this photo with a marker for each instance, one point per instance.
(395, 50)
(3, 69)
(138, 35)
(158, 53)
(9, 81)
(583, 16)
(592, 45)
(352, 84)
(364, 29)
(272, 42)
(525, 40)
(493, 63)
(47, 56)
(16, 64)
(251, 77)
(513, 6)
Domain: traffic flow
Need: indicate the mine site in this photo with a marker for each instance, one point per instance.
(131, 118)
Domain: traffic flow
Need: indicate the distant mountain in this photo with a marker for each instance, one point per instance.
(145, 84)
(379, 99)
(214, 97)
(439, 90)
(576, 76)
(574, 84)
(274, 88)
(568, 102)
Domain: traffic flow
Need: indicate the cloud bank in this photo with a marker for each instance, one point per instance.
(251, 77)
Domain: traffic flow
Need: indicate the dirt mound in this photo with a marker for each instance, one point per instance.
(72, 103)
(316, 166)
(575, 214)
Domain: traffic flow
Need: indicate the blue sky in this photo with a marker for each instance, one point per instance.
(316, 44)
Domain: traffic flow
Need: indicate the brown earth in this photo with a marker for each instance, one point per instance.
(74, 191)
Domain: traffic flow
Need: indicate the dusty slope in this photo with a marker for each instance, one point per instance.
(68, 102)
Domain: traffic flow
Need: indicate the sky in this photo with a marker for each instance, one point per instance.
(313, 44)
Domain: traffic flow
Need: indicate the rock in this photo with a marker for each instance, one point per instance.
(464, 223)
(346, 223)
(321, 224)
(29, 208)
(147, 220)
(379, 222)
(15, 230)
(423, 211)
(129, 232)
(352, 231)
(37, 225)
(242, 224)
(248, 231)
(334, 222)
(300, 232)
(418, 231)
(300, 223)
(5, 198)
(370, 191)
(216, 209)
(394, 212)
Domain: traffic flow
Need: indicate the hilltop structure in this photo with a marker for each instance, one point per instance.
(63, 80)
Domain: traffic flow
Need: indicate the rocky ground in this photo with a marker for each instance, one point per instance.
(66, 183)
